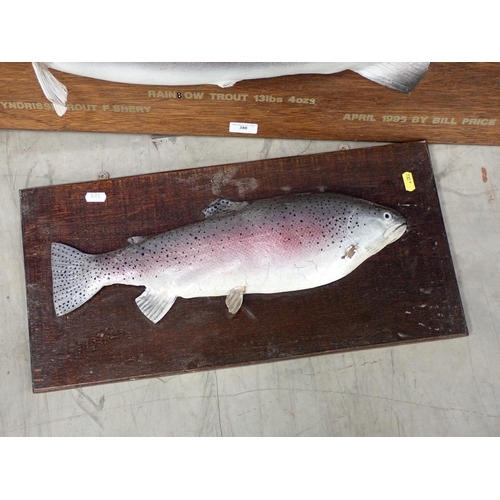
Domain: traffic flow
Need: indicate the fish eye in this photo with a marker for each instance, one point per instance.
(387, 216)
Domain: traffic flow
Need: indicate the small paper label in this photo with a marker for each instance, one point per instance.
(243, 128)
(95, 197)
(408, 180)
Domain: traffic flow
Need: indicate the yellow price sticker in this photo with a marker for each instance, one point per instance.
(408, 181)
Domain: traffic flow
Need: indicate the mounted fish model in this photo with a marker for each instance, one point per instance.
(273, 245)
(398, 76)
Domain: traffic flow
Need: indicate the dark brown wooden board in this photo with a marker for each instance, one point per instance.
(453, 103)
(406, 293)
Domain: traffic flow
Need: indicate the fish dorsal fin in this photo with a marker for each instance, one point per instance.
(234, 299)
(223, 207)
(53, 89)
(136, 239)
(155, 303)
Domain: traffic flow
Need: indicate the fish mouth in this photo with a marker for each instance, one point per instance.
(395, 232)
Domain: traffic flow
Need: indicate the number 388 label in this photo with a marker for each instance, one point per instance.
(243, 128)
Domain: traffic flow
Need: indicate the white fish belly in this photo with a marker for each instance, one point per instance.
(285, 278)
(196, 73)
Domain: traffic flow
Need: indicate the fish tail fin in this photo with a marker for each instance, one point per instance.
(53, 89)
(400, 76)
(71, 278)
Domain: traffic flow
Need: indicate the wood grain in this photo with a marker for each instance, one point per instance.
(454, 103)
(406, 293)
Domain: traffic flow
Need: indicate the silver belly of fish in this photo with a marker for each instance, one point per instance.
(270, 245)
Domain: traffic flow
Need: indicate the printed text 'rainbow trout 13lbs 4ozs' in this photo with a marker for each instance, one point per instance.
(273, 245)
(402, 76)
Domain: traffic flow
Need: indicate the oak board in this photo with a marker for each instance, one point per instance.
(453, 103)
(406, 293)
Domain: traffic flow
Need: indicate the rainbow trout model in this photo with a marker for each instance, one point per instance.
(402, 76)
(270, 245)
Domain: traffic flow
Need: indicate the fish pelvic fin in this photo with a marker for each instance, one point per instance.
(155, 303)
(226, 85)
(402, 76)
(234, 299)
(53, 89)
(71, 280)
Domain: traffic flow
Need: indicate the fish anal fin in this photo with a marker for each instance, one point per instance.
(222, 206)
(234, 299)
(155, 303)
(395, 75)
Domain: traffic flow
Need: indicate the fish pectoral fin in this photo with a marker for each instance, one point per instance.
(234, 300)
(222, 206)
(53, 89)
(155, 303)
(136, 239)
